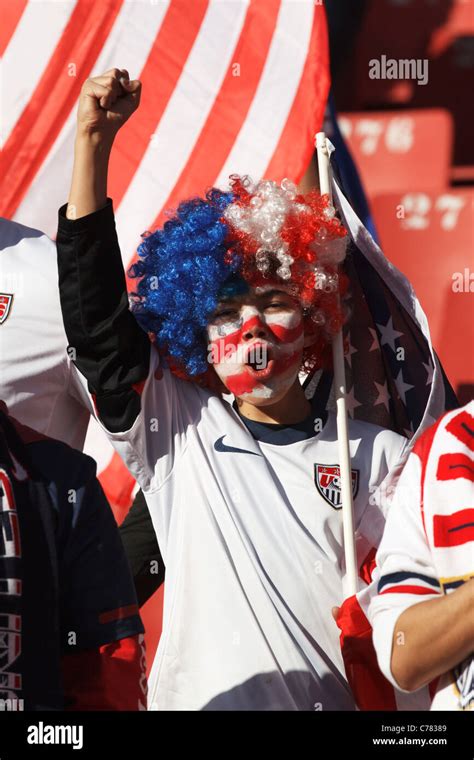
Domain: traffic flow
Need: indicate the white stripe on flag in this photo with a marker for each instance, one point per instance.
(40, 29)
(182, 122)
(131, 39)
(271, 106)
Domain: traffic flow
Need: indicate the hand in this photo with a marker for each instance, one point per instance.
(106, 103)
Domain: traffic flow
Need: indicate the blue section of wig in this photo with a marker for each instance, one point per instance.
(182, 268)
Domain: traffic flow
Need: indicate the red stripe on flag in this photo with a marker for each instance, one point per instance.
(371, 689)
(455, 529)
(230, 108)
(453, 466)
(169, 53)
(306, 114)
(368, 566)
(12, 12)
(407, 589)
(462, 427)
(54, 97)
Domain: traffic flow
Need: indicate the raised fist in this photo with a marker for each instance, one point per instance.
(106, 102)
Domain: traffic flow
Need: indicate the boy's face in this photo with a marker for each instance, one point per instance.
(256, 341)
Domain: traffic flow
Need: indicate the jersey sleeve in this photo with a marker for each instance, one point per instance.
(145, 411)
(105, 341)
(406, 572)
(98, 604)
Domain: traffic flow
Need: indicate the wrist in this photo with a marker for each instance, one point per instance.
(94, 143)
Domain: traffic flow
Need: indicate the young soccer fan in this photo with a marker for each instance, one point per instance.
(236, 294)
(423, 617)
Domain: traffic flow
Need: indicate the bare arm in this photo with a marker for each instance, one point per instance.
(105, 104)
(432, 637)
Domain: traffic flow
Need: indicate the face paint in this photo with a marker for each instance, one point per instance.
(257, 352)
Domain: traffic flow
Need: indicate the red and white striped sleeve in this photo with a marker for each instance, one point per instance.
(407, 575)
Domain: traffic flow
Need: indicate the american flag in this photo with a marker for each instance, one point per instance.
(228, 86)
(394, 379)
(393, 376)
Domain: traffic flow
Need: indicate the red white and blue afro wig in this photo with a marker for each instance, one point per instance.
(227, 241)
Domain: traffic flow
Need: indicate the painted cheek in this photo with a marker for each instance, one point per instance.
(287, 328)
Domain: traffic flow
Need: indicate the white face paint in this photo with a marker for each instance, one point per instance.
(256, 343)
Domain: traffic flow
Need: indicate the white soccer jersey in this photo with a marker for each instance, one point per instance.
(36, 381)
(251, 535)
(427, 549)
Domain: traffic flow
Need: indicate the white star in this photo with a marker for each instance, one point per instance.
(430, 370)
(351, 402)
(402, 387)
(383, 396)
(351, 351)
(375, 340)
(389, 335)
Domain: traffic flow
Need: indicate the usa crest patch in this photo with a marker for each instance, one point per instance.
(6, 300)
(328, 482)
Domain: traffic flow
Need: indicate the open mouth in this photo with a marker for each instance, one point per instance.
(259, 361)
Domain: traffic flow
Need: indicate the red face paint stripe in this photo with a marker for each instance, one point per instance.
(454, 530)
(233, 339)
(286, 334)
(453, 466)
(462, 427)
(242, 382)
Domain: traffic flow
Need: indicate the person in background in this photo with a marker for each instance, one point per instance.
(37, 381)
(423, 616)
(70, 632)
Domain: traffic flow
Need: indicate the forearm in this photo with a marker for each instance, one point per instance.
(110, 349)
(89, 178)
(432, 637)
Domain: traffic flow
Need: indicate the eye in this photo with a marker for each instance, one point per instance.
(278, 305)
(226, 314)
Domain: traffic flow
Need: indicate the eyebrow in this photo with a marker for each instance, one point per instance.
(265, 294)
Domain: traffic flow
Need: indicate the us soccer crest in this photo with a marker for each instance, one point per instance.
(6, 300)
(328, 482)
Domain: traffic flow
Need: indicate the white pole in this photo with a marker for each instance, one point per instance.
(340, 393)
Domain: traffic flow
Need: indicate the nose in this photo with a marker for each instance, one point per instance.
(254, 328)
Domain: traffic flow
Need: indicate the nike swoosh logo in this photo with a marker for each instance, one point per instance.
(219, 445)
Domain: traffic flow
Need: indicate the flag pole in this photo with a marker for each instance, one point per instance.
(340, 394)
